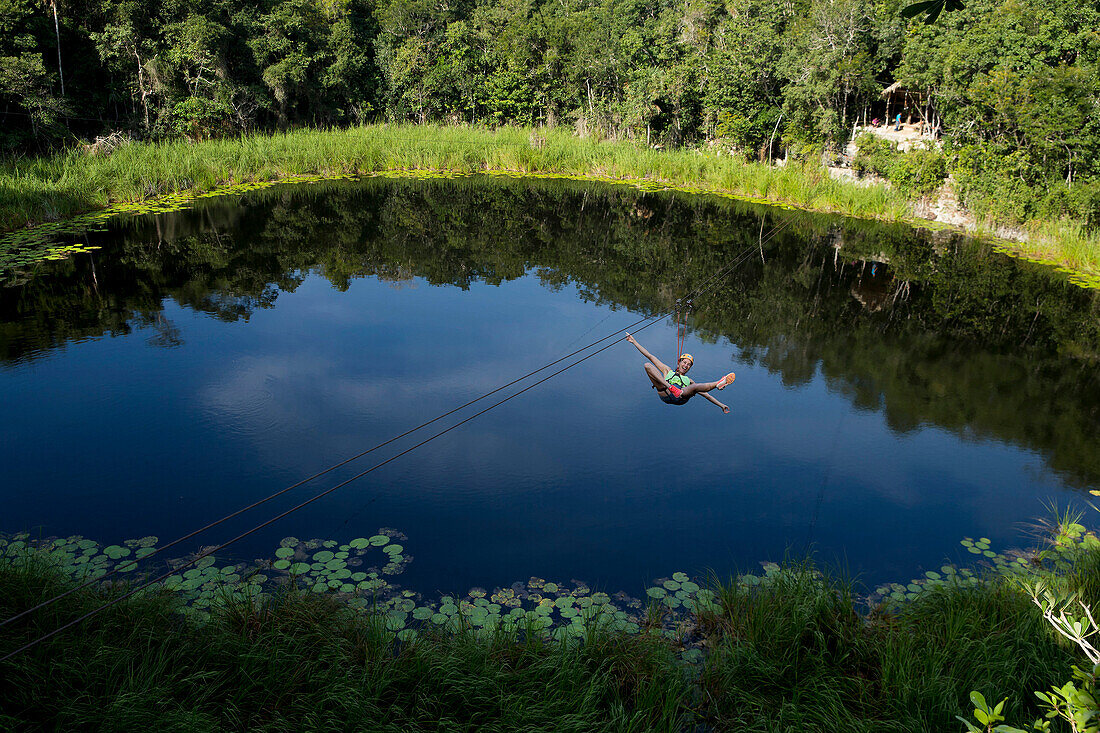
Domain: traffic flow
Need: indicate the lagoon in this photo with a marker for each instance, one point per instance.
(897, 390)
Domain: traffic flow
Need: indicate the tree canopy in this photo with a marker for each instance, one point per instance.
(1013, 84)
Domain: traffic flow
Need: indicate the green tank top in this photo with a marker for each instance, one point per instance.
(677, 380)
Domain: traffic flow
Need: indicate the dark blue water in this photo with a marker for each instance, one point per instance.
(181, 385)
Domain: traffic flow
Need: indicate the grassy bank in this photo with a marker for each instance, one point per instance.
(43, 189)
(791, 654)
(47, 189)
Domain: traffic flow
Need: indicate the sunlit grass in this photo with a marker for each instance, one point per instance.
(34, 190)
(42, 189)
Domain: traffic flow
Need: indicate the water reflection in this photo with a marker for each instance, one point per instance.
(935, 335)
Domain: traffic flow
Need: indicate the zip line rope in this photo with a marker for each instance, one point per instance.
(279, 493)
(647, 322)
(306, 480)
(305, 503)
(703, 288)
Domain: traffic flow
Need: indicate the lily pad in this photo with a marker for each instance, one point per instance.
(378, 540)
(116, 552)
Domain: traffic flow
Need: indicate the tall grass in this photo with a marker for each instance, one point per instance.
(791, 654)
(788, 655)
(300, 661)
(35, 190)
(42, 189)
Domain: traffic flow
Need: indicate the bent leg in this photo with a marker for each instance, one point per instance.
(655, 376)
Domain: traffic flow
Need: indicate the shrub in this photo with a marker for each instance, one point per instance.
(200, 119)
(919, 172)
(873, 155)
(915, 173)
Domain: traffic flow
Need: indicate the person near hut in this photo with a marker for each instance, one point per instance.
(673, 386)
(897, 123)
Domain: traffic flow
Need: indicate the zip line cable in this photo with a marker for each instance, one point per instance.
(279, 493)
(305, 503)
(652, 319)
(707, 285)
(317, 475)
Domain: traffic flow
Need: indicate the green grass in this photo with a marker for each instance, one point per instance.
(796, 656)
(789, 654)
(300, 661)
(44, 189)
(37, 190)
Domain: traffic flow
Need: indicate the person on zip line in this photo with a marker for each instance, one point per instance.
(673, 385)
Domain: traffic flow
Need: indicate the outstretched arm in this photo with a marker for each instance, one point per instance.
(725, 409)
(656, 362)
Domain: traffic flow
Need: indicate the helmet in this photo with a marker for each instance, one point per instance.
(689, 357)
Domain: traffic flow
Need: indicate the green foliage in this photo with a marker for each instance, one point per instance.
(1008, 185)
(784, 649)
(1020, 81)
(308, 661)
(874, 155)
(919, 172)
(915, 173)
(201, 119)
(931, 9)
(987, 716)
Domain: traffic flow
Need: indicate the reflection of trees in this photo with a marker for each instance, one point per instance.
(947, 333)
(167, 335)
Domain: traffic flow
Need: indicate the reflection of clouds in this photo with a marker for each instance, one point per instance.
(853, 454)
(436, 387)
(301, 412)
(246, 391)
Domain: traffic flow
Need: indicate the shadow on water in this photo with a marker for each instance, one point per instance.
(928, 328)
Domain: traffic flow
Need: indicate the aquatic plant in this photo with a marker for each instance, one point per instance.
(359, 573)
(784, 648)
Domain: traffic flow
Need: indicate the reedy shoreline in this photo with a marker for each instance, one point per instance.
(34, 191)
(790, 654)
